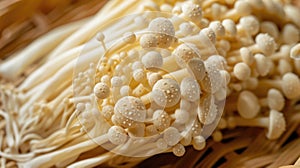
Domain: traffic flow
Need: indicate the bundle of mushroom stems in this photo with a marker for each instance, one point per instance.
(145, 77)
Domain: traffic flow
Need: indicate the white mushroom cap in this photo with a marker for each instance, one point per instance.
(277, 125)
(190, 89)
(199, 142)
(241, 71)
(250, 23)
(208, 33)
(172, 136)
(164, 30)
(117, 135)
(101, 90)
(248, 104)
(262, 65)
(178, 150)
(246, 56)
(207, 110)
(161, 120)
(185, 28)
(123, 121)
(152, 59)
(270, 28)
(116, 81)
(184, 53)
(131, 108)
(290, 34)
(197, 66)
(217, 27)
(107, 111)
(148, 41)
(139, 75)
(181, 116)
(229, 26)
(161, 144)
(192, 12)
(295, 52)
(166, 92)
(266, 43)
(275, 100)
(291, 85)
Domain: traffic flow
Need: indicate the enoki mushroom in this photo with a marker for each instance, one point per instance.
(145, 77)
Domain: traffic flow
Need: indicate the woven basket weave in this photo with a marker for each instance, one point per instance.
(239, 147)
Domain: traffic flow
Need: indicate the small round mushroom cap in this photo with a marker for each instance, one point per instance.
(229, 26)
(116, 81)
(161, 120)
(241, 71)
(266, 43)
(131, 108)
(242, 7)
(161, 144)
(262, 65)
(101, 90)
(250, 23)
(172, 136)
(192, 11)
(217, 27)
(107, 111)
(277, 125)
(217, 62)
(166, 92)
(275, 99)
(139, 75)
(248, 105)
(290, 34)
(185, 28)
(199, 142)
(148, 41)
(184, 53)
(190, 89)
(164, 30)
(209, 33)
(197, 66)
(270, 28)
(295, 52)
(291, 85)
(178, 150)
(117, 135)
(246, 56)
(152, 59)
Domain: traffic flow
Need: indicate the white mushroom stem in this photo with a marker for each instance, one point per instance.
(92, 162)
(275, 123)
(241, 8)
(288, 85)
(91, 28)
(64, 154)
(12, 68)
(274, 100)
(179, 75)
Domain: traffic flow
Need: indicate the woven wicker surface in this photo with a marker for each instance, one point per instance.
(239, 148)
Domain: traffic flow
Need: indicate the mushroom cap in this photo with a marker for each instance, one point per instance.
(139, 75)
(262, 65)
(192, 11)
(269, 28)
(161, 120)
(148, 41)
(153, 78)
(246, 56)
(164, 30)
(242, 71)
(152, 59)
(161, 144)
(277, 125)
(217, 27)
(207, 110)
(291, 85)
(184, 53)
(181, 116)
(116, 81)
(290, 34)
(198, 142)
(275, 99)
(248, 105)
(172, 136)
(132, 108)
(190, 89)
(250, 23)
(209, 33)
(101, 90)
(178, 150)
(185, 28)
(122, 121)
(242, 7)
(117, 135)
(166, 92)
(107, 111)
(197, 66)
(266, 43)
(295, 52)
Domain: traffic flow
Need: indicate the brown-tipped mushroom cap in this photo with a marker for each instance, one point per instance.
(131, 108)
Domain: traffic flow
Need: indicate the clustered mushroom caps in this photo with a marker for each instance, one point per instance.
(152, 84)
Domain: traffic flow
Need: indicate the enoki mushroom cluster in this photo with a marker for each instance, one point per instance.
(147, 77)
